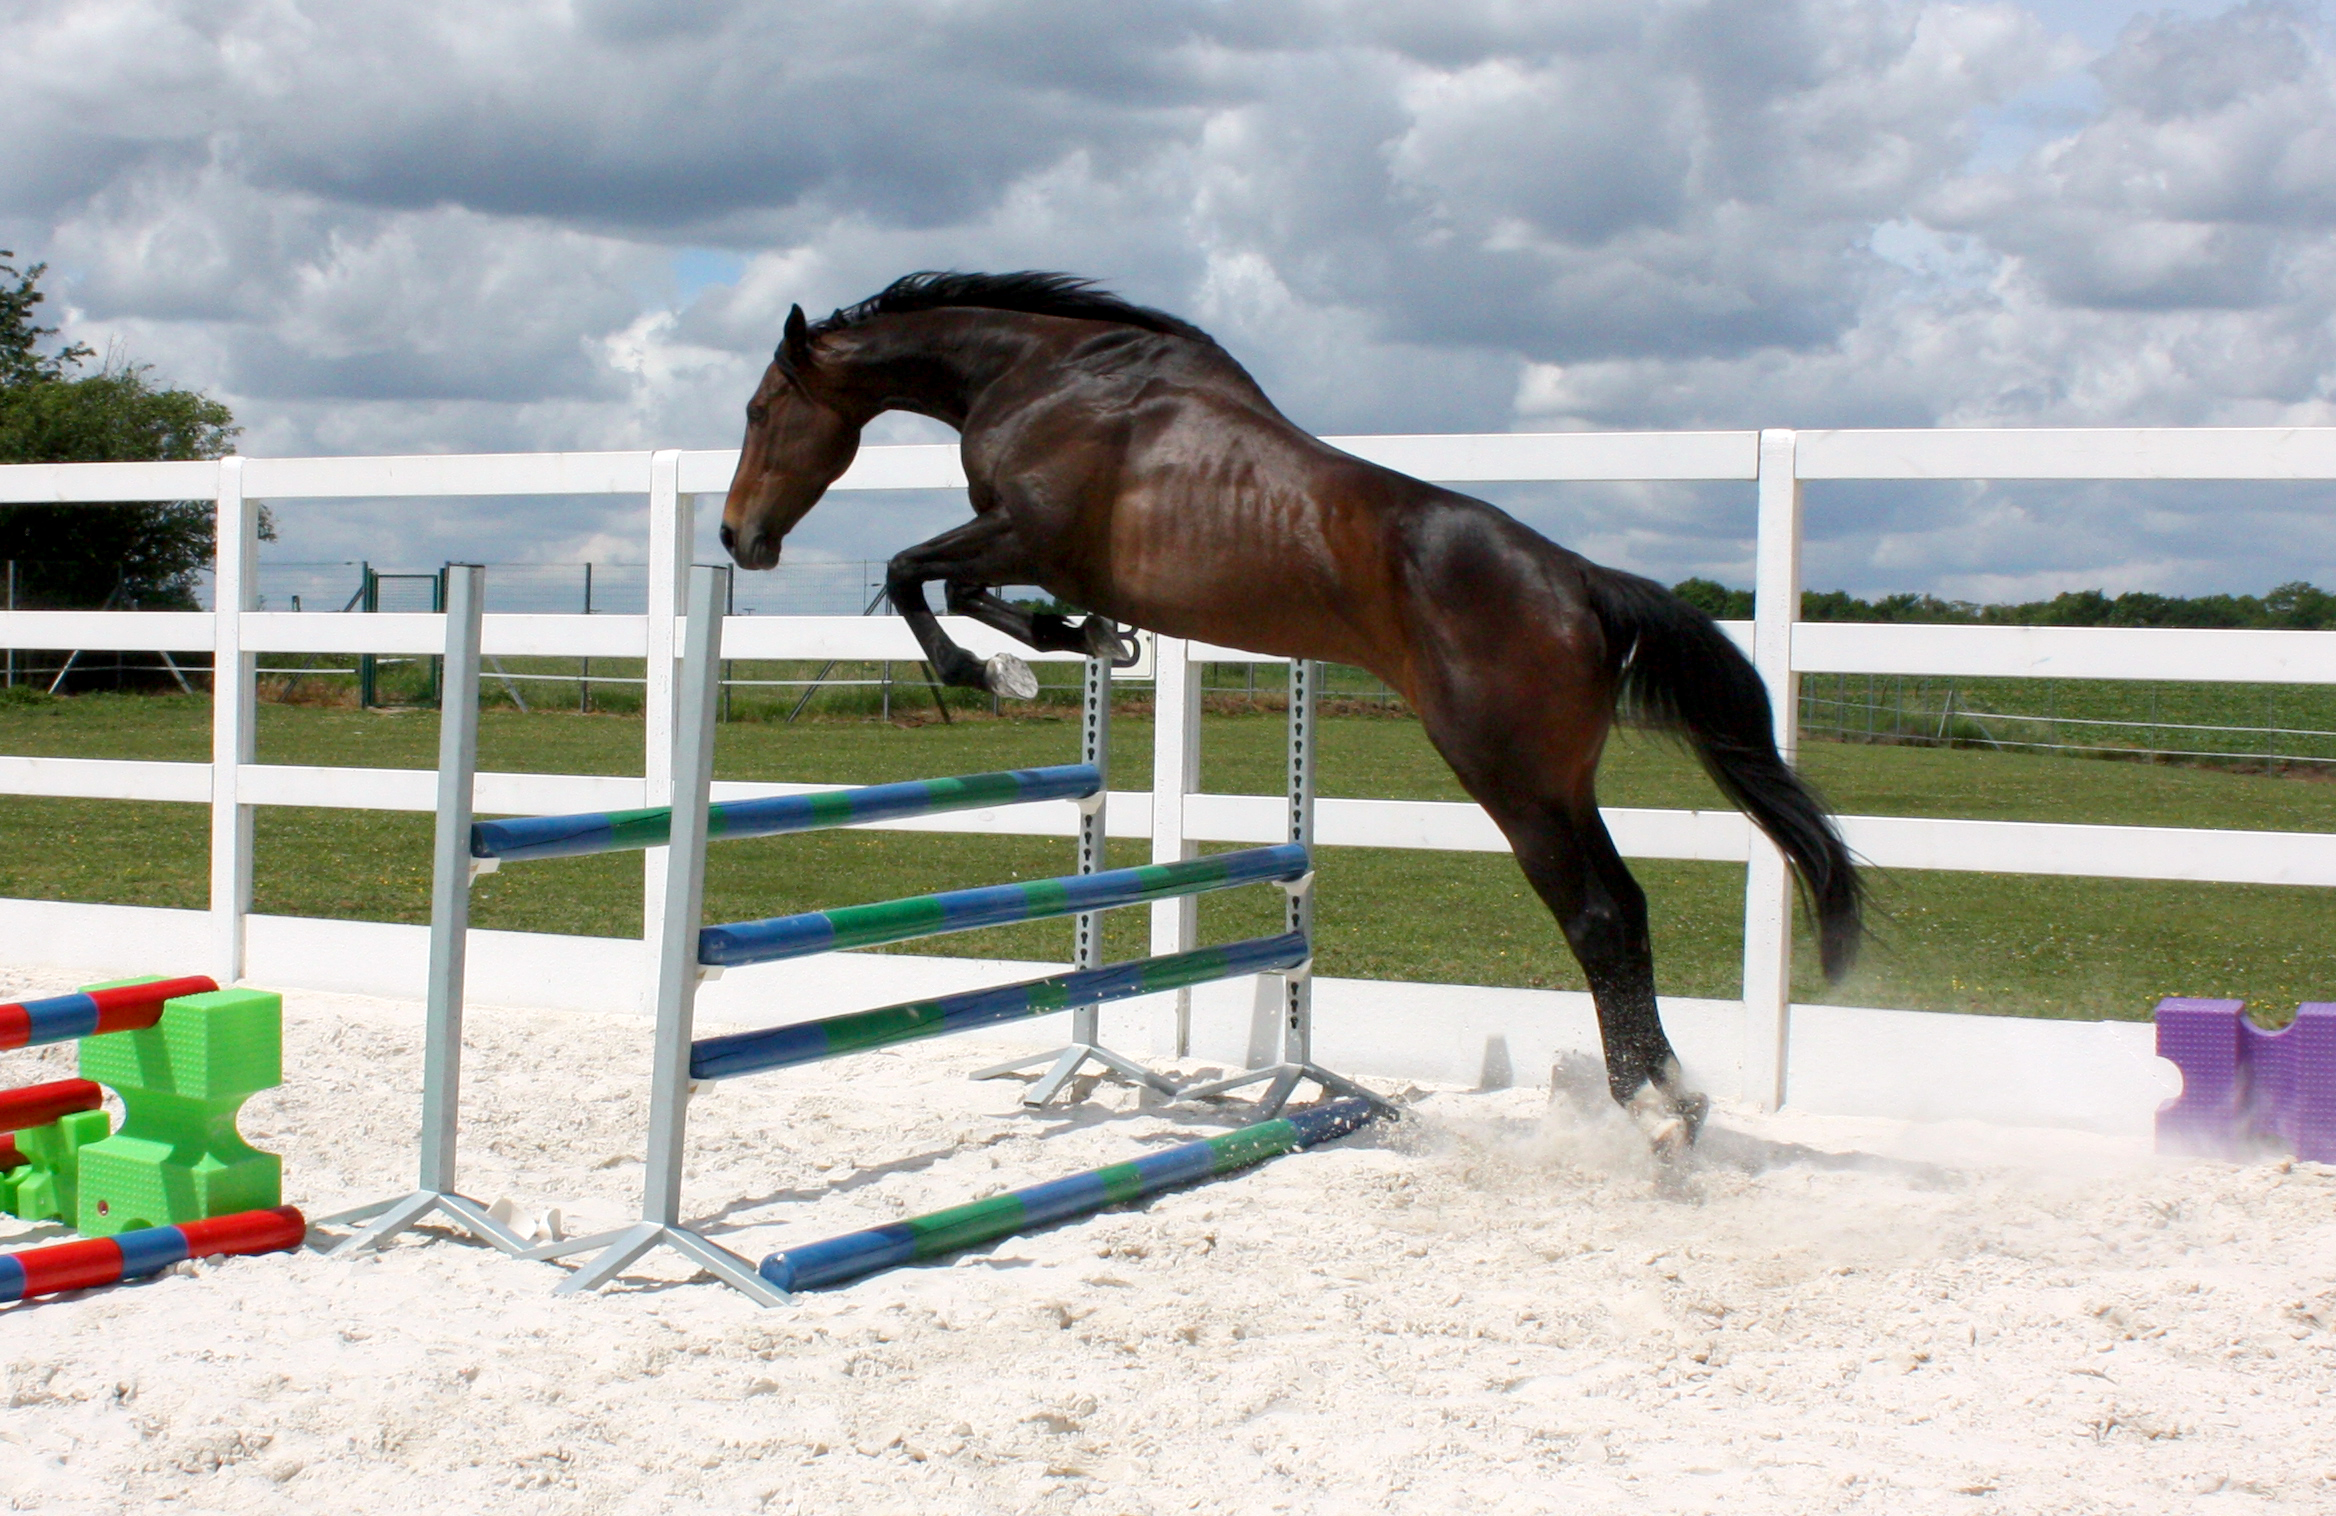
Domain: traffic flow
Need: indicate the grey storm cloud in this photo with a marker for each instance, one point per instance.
(417, 225)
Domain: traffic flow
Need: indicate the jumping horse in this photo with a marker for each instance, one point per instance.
(1119, 459)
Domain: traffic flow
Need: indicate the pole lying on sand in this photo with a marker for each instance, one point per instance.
(920, 1237)
(123, 1008)
(95, 1261)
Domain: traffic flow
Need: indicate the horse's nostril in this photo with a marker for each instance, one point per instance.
(729, 538)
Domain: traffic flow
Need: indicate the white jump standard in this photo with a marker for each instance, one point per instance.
(451, 872)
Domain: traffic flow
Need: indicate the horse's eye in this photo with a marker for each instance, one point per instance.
(756, 414)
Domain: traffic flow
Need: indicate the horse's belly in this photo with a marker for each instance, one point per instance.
(1250, 589)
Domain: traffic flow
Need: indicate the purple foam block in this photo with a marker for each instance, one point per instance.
(2241, 1084)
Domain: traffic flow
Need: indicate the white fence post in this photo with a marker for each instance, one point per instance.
(234, 721)
(1175, 774)
(672, 537)
(1768, 885)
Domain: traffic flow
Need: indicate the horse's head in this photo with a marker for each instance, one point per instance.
(797, 444)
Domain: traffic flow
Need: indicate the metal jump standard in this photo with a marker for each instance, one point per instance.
(1087, 927)
(688, 952)
(451, 873)
(1297, 1064)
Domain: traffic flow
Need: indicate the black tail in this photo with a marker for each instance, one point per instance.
(1678, 671)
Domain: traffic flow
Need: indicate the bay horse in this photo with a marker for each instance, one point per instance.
(1121, 460)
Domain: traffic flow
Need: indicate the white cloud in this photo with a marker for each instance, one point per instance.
(421, 225)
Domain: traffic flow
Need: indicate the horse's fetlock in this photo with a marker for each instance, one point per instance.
(1670, 1119)
(961, 670)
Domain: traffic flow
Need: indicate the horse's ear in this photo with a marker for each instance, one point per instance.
(795, 345)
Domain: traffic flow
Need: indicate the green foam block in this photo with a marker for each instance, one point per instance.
(178, 1156)
(47, 1187)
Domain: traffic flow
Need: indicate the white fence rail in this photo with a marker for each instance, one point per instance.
(1173, 816)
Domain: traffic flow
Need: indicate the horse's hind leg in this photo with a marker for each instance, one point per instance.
(1048, 631)
(1572, 864)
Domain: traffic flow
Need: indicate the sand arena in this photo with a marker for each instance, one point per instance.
(1497, 1306)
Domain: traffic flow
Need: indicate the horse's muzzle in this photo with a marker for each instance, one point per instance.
(752, 550)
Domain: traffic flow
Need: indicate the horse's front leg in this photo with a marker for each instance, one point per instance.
(1048, 631)
(983, 551)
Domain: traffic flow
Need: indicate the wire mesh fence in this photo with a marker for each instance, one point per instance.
(585, 684)
(59, 670)
(791, 589)
(2157, 720)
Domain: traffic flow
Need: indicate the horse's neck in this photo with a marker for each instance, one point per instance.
(936, 363)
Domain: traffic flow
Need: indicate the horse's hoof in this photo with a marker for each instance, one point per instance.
(1105, 640)
(1669, 1123)
(1009, 676)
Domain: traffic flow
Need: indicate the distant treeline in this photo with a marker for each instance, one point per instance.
(2296, 606)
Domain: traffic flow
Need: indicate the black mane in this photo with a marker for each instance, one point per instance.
(1032, 291)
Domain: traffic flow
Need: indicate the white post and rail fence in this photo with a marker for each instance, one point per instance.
(1759, 1048)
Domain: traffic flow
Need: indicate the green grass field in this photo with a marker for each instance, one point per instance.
(1992, 943)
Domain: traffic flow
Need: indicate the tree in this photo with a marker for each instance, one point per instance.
(20, 359)
(1715, 599)
(2300, 605)
(2296, 605)
(79, 556)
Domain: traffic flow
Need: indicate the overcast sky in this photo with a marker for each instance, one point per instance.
(419, 227)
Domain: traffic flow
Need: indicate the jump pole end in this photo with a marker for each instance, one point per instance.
(94, 1262)
(854, 1255)
(127, 1007)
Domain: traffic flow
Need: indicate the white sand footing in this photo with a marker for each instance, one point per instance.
(1497, 1306)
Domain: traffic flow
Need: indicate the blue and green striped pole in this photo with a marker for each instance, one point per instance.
(920, 1237)
(855, 926)
(738, 1053)
(616, 831)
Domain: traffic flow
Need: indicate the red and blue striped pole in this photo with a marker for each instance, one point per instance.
(39, 1104)
(34, 1105)
(124, 1008)
(849, 1257)
(97, 1261)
